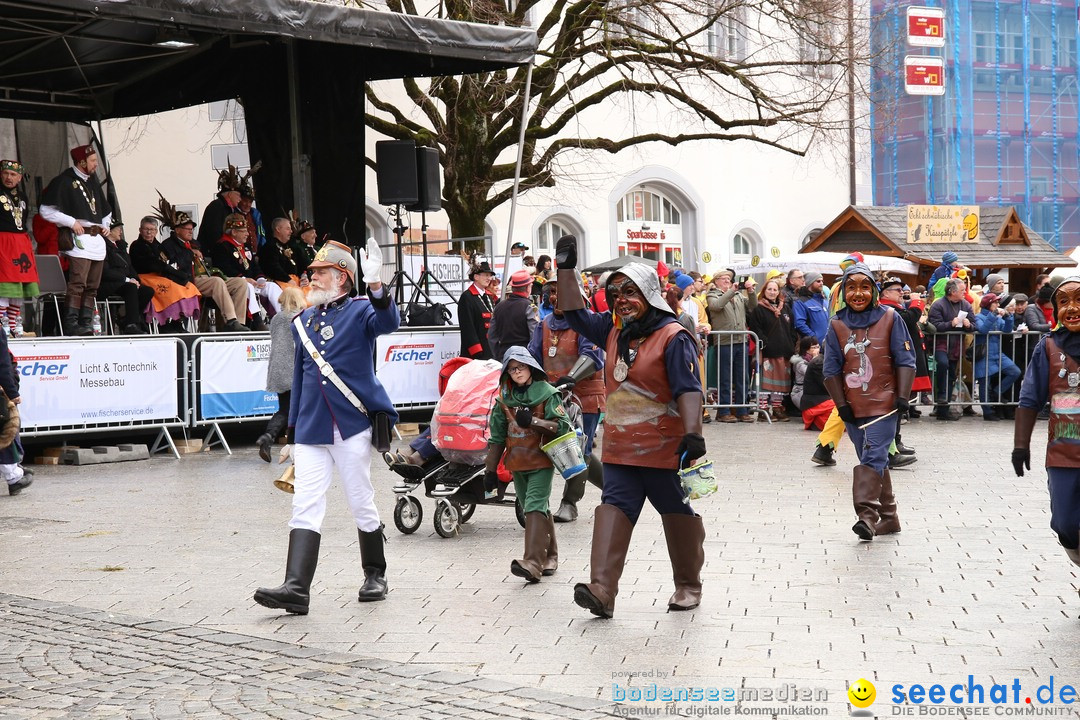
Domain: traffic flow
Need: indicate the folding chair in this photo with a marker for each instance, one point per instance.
(51, 283)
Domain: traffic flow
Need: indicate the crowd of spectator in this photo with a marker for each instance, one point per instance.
(165, 280)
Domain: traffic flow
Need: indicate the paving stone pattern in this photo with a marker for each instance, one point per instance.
(58, 660)
(975, 584)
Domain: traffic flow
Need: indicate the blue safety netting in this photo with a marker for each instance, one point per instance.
(1005, 131)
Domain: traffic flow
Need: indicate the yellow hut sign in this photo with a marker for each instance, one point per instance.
(942, 224)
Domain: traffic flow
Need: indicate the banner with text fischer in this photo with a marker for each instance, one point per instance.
(407, 363)
(85, 382)
(233, 379)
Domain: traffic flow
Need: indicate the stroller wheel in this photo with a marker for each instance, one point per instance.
(467, 510)
(447, 519)
(408, 513)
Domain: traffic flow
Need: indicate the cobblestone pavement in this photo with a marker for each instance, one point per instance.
(974, 585)
(57, 660)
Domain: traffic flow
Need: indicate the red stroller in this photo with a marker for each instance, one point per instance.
(454, 477)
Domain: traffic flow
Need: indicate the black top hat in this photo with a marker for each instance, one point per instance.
(480, 266)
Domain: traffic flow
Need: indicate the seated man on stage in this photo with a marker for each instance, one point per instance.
(278, 259)
(234, 259)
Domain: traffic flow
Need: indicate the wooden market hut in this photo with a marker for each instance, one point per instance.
(1002, 241)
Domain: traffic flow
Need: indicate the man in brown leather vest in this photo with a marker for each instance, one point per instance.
(572, 360)
(652, 427)
(1053, 375)
(869, 368)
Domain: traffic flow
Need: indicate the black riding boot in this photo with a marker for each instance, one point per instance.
(374, 561)
(86, 321)
(71, 325)
(292, 596)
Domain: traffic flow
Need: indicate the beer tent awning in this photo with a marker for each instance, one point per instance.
(81, 60)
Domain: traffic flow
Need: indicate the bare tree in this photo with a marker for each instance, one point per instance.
(773, 72)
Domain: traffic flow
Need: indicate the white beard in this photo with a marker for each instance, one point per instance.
(322, 297)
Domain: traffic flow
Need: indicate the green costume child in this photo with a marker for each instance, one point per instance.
(527, 414)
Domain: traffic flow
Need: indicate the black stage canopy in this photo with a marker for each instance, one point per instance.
(80, 60)
(298, 68)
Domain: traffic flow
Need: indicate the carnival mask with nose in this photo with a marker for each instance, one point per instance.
(859, 291)
(625, 298)
(1067, 304)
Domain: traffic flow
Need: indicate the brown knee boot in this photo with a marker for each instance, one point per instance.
(888, 523)
(685, 535)
(866, 495)
(551, 561)
(610, 540)
(536, 547)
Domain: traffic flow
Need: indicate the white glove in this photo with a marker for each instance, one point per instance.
(286, 452)
(371, 262)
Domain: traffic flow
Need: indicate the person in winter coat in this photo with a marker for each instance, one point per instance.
(945, 316)
(728, 305)
(811, 311)
(992, 367)
(772, 322)
(279, 372)
(527, 413)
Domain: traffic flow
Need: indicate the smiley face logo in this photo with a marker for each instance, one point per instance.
(861, 693)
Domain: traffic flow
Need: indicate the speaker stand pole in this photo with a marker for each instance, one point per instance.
(399, 232)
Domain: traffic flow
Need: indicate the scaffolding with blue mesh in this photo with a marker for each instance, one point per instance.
(1005, 131)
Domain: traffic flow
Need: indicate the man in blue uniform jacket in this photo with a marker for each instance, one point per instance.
(335, 399)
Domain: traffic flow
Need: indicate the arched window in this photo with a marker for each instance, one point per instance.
(548, 233)
(740, 246)
(650, 225)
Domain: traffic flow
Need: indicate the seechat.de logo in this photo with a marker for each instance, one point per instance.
(410, 353)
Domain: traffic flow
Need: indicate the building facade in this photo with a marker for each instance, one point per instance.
(1005, 131)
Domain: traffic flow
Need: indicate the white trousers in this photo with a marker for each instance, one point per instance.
(272, 292)
(315, 471)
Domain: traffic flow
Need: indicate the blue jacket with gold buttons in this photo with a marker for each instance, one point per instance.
(344, 333)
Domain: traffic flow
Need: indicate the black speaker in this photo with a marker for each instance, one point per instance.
(428, 176)
(395, 172)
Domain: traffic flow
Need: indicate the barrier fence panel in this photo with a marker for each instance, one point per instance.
(71, 385)
(970, 368)
(732, 373)
(229, 383)
(407, 363)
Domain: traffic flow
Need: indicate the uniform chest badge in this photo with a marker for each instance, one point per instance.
(327, 332)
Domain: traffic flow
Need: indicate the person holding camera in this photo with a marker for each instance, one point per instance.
(652, 427)
(728, 305)
(992, 367)
(338, 411)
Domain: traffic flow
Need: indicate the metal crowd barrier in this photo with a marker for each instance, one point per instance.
(215, 436)
(727, 377)
(164, 439)
(962, 375)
